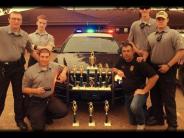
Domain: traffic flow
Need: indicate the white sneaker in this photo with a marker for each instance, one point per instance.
(141, 127)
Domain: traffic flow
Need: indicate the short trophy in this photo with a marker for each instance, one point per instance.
(106, 74)
(74, 108)
(74, 74)
(91, 109)
(106, 108)
(81, 75)
(92, 59)
(100, 74)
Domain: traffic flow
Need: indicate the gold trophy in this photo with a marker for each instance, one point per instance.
(81, 75)
(91, 109)
(92, 59)
(74, 108)
(100, 74)
(106, 74)
(74, 74)
(106, 108)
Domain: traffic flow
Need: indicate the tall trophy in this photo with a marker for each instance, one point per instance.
(92, 59)
(91, 109)
(100, 74)
(106, 74)
(106, 108)
(81, 75)
(74, 108)
(74, 74)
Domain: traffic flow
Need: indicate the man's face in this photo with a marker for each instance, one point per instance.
(15, 20)
(161, 22)
(145, 12)
(44, 59)
(41, 24)
(128, 53)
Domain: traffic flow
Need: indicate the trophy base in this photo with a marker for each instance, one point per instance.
(107, 124)
(92, 124)
(76, 124)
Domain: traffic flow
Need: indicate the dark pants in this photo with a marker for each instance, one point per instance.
(39, 110)
(163, 95)
(31, 61)
(12, 73)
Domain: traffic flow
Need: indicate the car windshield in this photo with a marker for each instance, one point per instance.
(88, 44)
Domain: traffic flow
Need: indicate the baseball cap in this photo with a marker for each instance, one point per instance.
(162, 14)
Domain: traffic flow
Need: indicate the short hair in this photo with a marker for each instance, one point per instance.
(44, 50)
(42, 17)
(15, 12)
(126, 43)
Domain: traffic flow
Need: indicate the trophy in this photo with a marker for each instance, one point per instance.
(91, 109)
(81, 75)
(100, 74)
(106, 74)
(92, 59)
(74, 74)
(106, 108)
(74, 108)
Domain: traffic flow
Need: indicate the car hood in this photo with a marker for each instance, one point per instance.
(83, 59)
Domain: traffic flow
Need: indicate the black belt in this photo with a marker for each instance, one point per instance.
(10, 63)
(34, 98)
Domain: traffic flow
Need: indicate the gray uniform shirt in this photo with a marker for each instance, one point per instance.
(139, 36)
(161, 52)
(42, 39)
(13, 44)
(35, 77)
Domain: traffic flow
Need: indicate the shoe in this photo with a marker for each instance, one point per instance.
(49, 121)
(22, 125)
(152, 122)
(140, 127)
(169, 128)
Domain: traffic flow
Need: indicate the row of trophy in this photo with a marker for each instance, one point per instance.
(91, 111)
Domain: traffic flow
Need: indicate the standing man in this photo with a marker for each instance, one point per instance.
(140, 29)
(38, 83)
(40, 38)
(134, 84)
(13, 42)
(166, 48)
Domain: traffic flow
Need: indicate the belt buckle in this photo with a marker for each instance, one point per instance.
(6, 63)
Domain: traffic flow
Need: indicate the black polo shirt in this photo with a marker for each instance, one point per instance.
(136, 74)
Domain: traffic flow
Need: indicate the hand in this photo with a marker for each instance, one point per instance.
(140, 59)
(163, 68)
(139, 91)
(181, 61)
(121, 74)
(39, 91)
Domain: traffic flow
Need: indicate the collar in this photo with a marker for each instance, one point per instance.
(146, 23)
(40, 69)
(19, 33)
(166, 29)
(43, 33)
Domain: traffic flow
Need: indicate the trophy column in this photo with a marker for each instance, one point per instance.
(74, 108)
(91, 109)
(106, 108)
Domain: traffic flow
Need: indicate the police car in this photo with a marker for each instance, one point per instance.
(76, 51)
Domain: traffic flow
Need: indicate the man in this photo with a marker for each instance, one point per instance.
(13, 42)
(139, 31)
(38, 83)
(166, 48)
(134, 84)
(40, 38)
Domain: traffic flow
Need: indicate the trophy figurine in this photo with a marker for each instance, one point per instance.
(91, 109)
(74, 74)
(74, 108)
(92, 59)
(106, 108)
(81, 75)
(100, 74)
(106, 74)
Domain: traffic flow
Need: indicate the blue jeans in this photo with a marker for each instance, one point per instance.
(136, 108)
